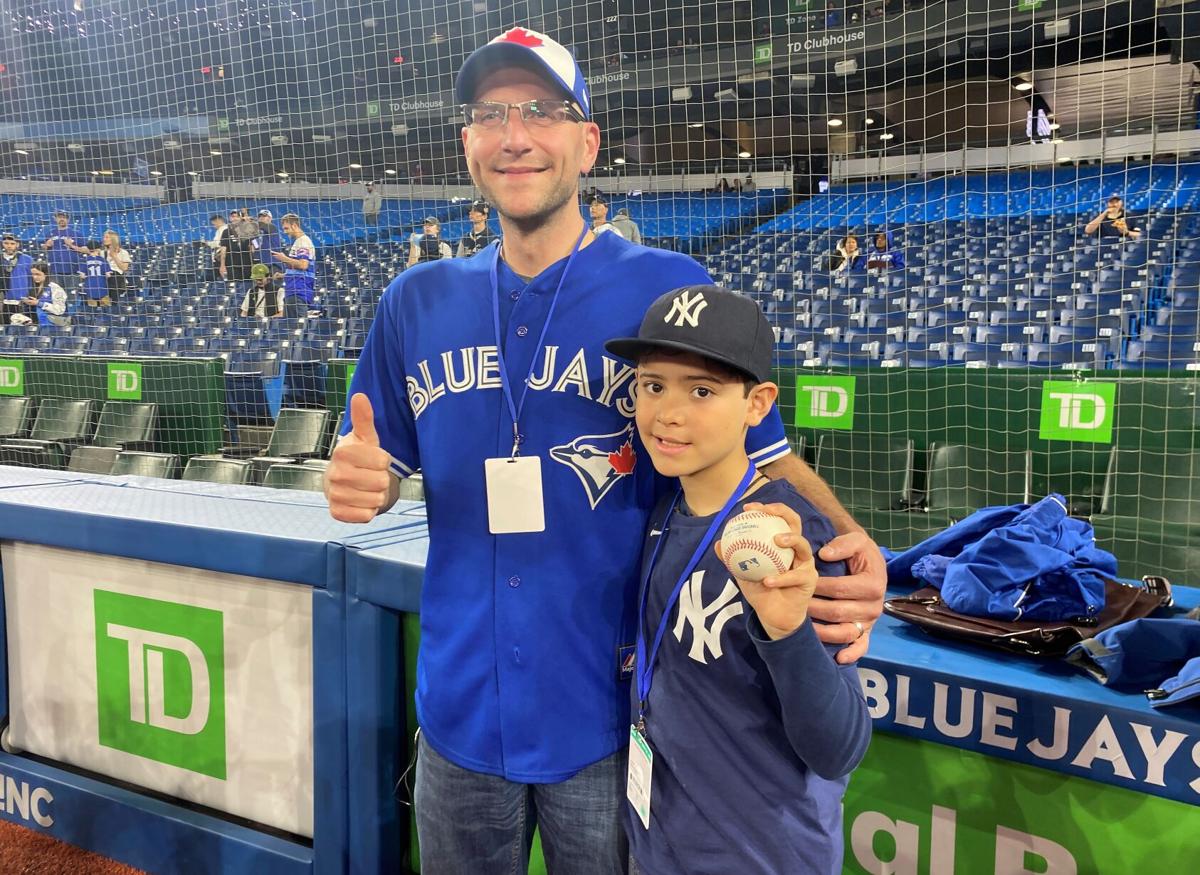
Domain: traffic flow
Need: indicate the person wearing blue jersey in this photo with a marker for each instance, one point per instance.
(489, 375)
(268, 239)
(63, 260)
(48, 297)
(300, 261)
(717, 654)
(94, 274)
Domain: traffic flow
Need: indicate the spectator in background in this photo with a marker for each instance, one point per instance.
(599, 211)
(47, 297)
(262, 297)
(833, 15)
(63, 261)
(300, 277)
(1114, 222)
(216, 245)
(626, 227)
(748, 183)
(480, 234)
(884, 254)
(846, 254)
(238, 254)
(119, 262)
(372, 204)
(268, 240)
(94, 274)
(15, 279)
(428, 245)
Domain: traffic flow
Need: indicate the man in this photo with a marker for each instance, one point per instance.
(489, 375)
(1113, 222)
(372, 204)
(626, 227)
(428, 245)
(299, 280)
(480, 234)
(262, 298)
(64, 263)
(599, 212)
(268, 237)
(237, 255)
(15, 276)
(216, 245)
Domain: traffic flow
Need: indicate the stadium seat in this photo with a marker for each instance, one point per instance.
(867, 471)
(91, 460)
(16, 413)
(163, 465)
(307, 477)
(215, 469)
(962, 479)
(1075, 471)
(60, 426)
(123, 425)
(297, 435)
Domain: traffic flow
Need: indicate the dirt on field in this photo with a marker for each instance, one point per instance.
(25, 852)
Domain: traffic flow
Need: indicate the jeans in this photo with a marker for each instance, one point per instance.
(474, 824)
(294, 307)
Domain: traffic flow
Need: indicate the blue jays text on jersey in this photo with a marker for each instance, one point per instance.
(517, 673)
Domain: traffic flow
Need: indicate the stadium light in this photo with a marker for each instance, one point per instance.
(390, 172)
(725, 94)
(75, 147)
(193, 173)
(95, 173)
(681, 94)
(696, 125)
(846, 68)
(20, 152)
(618, 161)
(282, 174)
(214, 152)
(835, 123)
(356, 167)
(156, 173)
(887, 136)
(743, 154)
(869, 121)
(1023, 85)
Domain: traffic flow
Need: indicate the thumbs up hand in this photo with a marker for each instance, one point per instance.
(357, 481)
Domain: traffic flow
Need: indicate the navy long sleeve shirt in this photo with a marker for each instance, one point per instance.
(753, 739)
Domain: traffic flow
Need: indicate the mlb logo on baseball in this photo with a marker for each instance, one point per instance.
(748, 546)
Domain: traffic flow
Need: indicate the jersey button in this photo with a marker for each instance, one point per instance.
(514, 582)
(515, 294)
(522, 331)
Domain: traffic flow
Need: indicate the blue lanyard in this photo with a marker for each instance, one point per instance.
(515, 408)
(645, 666)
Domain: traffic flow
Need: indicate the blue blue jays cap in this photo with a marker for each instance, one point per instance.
(520, 47)
(710, 322)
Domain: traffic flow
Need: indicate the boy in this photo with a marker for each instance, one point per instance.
(745, 728)
(95, 275)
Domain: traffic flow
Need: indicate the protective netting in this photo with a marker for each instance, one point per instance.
(998, 329)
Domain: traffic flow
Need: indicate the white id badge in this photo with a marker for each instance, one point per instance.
(514, 495)
(641, 773)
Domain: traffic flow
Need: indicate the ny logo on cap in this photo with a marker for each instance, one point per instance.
(685, 308)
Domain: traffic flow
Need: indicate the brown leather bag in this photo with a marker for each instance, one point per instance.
(1123, 602)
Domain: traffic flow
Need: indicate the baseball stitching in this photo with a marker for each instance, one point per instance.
(768, 551)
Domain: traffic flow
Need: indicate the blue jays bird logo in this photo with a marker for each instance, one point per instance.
(598, 460)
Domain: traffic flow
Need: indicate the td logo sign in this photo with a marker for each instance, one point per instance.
(125, 381)
(12, 377)
(825, 402)
(1077, 411)
(160, 681)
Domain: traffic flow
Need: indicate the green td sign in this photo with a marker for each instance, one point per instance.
(125, 381)
(762, 53)
(825, 402)
(160, 681)
(1029, 5)
(12, 377)
(1077, 411)
(372, 109)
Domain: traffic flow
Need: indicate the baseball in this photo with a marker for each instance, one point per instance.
(748, 546)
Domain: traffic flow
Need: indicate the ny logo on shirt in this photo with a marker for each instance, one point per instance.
(693, 612)
(685, 308)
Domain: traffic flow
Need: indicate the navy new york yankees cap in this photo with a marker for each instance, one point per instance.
(521, 47)
(708, 321)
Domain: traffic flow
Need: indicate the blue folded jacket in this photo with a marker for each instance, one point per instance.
(1023, 562)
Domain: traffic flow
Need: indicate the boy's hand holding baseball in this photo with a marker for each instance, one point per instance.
(781, 601)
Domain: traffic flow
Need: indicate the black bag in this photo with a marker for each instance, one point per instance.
(1122, 602)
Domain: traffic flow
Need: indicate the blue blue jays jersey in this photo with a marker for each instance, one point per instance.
(518, 670)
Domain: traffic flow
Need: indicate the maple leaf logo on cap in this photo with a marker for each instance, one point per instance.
(521, 37)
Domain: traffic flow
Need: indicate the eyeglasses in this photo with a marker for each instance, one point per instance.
(491, 115)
